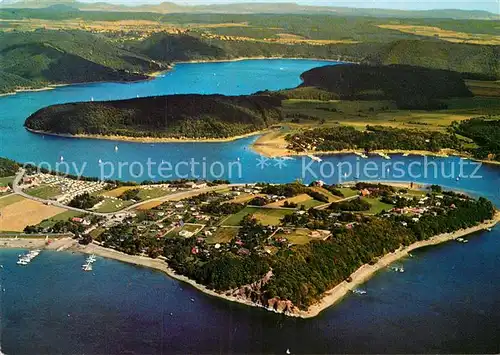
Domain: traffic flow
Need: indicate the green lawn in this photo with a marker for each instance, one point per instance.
(298, 236)
(110, 205)
(5, 181)
(310, 203)
(152, 193)
(223, 235)
(46, 192)
(9, 200)
(266, 216)
(348, 192)
(60, 217)
(378, 206)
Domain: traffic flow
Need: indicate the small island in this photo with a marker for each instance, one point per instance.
(289, 248)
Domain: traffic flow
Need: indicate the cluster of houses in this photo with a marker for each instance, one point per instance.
(5, 189)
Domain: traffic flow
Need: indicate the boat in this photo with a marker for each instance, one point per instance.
(489, 229)
(61, 158)
(116, 148)
(385, 156)
(315, 158)
(406, 154)
(87, 267)
(288, 351)
(288, 158)
(359, 292)
(397, 269)
(364, 156)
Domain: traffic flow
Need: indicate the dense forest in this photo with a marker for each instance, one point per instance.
(373, 138)
(85, 201)
(193, 116)
(411, 87)
(8, 167)
(485, 132)
(38, 58)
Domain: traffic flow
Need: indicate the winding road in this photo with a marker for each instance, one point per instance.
(176, 196)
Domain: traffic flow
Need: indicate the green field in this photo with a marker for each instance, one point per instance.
(152, 193)
(223, 235)
(266, 216)
(5, 181)
(9, 200)
(361, 113)
(348, 192)
(110, 205)
(60, 217)
(44, 192)
(377, 206)
(297, 236)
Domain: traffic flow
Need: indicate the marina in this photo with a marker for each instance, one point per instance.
(89, 261)
(25, 259)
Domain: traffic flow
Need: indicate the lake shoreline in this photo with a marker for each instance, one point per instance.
(330, 297)
(272, 146)
(170, 67)
(366, 271)
(266, 152)
(145, 140)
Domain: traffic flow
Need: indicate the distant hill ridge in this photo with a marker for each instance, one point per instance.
(253, 8)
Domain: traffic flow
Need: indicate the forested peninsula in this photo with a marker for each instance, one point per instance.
(218, 116)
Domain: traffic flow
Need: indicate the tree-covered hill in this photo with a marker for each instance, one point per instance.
(193, 116)
(470, 59)
(411, 87)
(8, 167)
(485, 132)
(39, 58)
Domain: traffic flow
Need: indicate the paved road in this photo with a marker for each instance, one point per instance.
(17, 190)
(176, 196)
(182, 195)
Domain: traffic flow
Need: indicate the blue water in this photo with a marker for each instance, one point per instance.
(446, 301)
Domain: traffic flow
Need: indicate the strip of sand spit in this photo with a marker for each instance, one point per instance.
(331, 297)
(147, 139)
(366, 271)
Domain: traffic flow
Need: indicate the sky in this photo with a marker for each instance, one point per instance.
(487, 5)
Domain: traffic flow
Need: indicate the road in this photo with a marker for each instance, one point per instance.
(176, 196)
(18, 191)
(171, 197)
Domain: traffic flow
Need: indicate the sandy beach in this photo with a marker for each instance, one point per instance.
(56, 243)
(147, 139)
(331, 297)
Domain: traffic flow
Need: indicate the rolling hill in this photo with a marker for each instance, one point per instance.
(253, 8)
(177, 116)
(411, 87)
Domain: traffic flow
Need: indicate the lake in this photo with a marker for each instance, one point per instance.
(446, 301)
